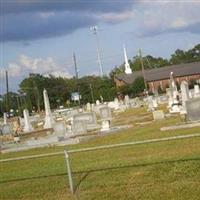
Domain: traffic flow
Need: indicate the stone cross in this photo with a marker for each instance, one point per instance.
(49, 121)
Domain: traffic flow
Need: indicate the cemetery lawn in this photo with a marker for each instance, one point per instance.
(165, 170)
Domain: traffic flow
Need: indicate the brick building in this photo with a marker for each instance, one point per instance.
(159, 77)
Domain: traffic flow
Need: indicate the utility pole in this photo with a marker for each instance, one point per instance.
(7, 92)
(94, 30)
(36, 95)
(75, 66)
(92, 94)
(76, 75)
(143, 71)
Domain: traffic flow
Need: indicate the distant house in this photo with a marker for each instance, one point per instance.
(159, 77)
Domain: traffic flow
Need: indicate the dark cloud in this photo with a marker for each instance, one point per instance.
(28, 26)
(19, 6)
(193, 28)
(24, 20)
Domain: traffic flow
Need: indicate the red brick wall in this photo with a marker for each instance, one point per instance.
(153, 85)
(119, 83)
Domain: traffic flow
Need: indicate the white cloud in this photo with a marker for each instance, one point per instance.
(170, 16)
(26, 65)
(46, 15)
(116, 17)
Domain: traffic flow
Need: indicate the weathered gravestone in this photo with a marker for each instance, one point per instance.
(79, 127)
(88, 118)
(158, 115)
(105, 113)
(4, 118)
(193, 109)
(59, 128)
(27, 124)
(6, 129)
(184, 94)
(127, 101)
(88, 107)
(196, 91)
(49, 121)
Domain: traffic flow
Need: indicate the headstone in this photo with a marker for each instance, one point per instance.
(6, 129)
(49, 121)
(88, 107)
(59, 128)
(184, 94)
(4, 118)
(193, 109)
(175, 106)
(169, 94)
(97, 102)
(158, 115)
(79, 127)
(173, 87)
(105, 113)
(190, 94)
(92, 106)
(155, 103)
(27, 124)
(127, 101)
(88, 118)
(105, 126)
(116, 104)
(196, 91)
(150, 103)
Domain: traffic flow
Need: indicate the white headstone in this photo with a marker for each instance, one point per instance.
(48, 115)
(79, 127)
(158, 115)
(88, 107)
(190, 94)
(184, 93)
(27, 124)
(193, 109)
(174, 108)
(6, 129)
(127, 100)
(105, 113)
(105, 126)
(116, 103)
(155, 102)
(97, 102)
(196, 91)
(89, 119)
(4, 118)
(59, 128)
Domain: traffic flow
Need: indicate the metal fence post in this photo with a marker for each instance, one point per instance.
(69, 172)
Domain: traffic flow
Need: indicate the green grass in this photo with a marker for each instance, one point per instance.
(166, 170)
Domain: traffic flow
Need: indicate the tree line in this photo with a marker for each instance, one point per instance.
(91, 88)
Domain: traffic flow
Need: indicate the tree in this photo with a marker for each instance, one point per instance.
(137, 86)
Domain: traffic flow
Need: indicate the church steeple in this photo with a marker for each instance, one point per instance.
(127, 66)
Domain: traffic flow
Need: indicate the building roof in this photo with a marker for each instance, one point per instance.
(162, 73)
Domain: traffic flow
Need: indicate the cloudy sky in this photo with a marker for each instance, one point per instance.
(40, 36)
